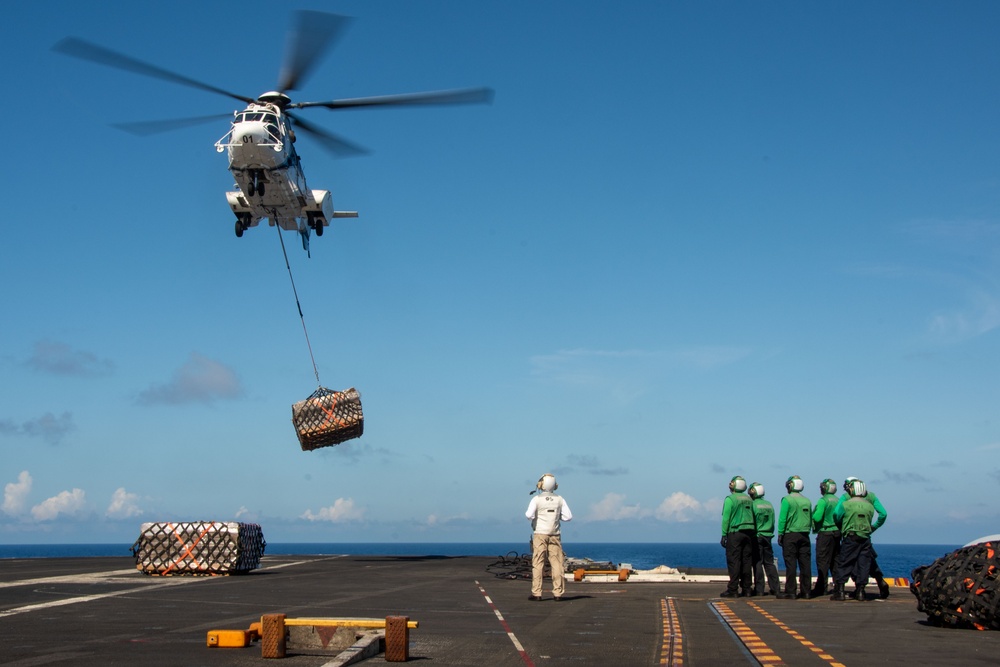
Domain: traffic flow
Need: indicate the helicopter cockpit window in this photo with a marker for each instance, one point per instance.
(270, 121)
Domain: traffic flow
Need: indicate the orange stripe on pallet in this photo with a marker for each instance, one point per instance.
(189, 548)
(330, 417)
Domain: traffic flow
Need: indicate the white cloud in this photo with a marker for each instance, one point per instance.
(626, 373)
(60, 359)
(341, 510)
(433, 520)
(613, 508)
(124, 505)
(49, 427)
(67, 502)
(200, 380)
(679, 507)
(980, 315)
(15, 494)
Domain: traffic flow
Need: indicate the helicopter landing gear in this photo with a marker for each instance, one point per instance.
(242, 224)
(256, 185)
(316, 224)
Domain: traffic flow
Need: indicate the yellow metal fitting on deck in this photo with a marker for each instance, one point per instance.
(375, 623)
(578, 575)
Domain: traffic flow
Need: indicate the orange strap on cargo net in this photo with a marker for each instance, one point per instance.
(330, 416)
(188, 549)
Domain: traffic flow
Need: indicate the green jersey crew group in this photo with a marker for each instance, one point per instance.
(843, 526)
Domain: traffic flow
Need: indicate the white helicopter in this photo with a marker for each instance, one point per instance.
(261, 141)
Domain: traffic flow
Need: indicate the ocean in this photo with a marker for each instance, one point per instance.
(896, 560)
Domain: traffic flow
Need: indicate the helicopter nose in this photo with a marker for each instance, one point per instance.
(251, 132)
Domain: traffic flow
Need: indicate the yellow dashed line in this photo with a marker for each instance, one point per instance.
(672, 649)
(798, 636)
(753, 643)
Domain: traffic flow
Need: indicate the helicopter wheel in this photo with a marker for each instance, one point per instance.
(251, 190)
(239, 229)
(318, 226)
(260, 188)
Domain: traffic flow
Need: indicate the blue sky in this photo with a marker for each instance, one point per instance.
(686, 241)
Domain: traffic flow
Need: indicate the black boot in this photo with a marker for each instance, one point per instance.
(883, 588)
(838, 593)
(859, 594)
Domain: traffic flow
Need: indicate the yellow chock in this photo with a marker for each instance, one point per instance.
(234, 638)
(395, 633)
(229, 638)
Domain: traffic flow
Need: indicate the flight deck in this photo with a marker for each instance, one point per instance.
(102, 611)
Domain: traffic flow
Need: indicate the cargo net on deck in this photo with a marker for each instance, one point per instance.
(328, 418)
(198, 548)
(960, 589)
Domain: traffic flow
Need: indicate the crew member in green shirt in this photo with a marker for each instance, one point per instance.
(875, 572)
(738, 536)
(854, 516)
(794, 523)
(827, 535)
(763, 555)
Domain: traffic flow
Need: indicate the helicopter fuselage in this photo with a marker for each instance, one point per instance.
(269, 177)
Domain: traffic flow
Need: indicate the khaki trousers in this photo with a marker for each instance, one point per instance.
(550, 547)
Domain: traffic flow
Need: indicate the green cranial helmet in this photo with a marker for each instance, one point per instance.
(794, 483)
(756, 490)
(738, 484)
(847, 483)
(858, 489)
(827, 486)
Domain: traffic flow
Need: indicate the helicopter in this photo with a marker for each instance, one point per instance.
(260, 144)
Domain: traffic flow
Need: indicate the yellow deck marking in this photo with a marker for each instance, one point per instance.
(751, 641)
(672, 649)
(820, 653)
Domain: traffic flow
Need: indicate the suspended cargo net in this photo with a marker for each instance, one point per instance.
(960, 589)
(198, 548)
(328, 418)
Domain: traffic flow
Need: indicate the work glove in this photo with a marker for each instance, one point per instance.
(781, 540)
(724, 541)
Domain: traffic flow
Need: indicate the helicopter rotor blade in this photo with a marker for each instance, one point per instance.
(330, 142)
(314, 33)
(85, 50)
(150, 127)
(461, 96)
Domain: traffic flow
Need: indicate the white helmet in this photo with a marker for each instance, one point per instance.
(547, 483)
(858, 489)
(756, 490)
(738, 484)
(847, 483)
(794, 483)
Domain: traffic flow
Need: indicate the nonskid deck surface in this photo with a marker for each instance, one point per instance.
(101, 611)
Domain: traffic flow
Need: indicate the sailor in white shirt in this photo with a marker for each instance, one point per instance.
(546, 512)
